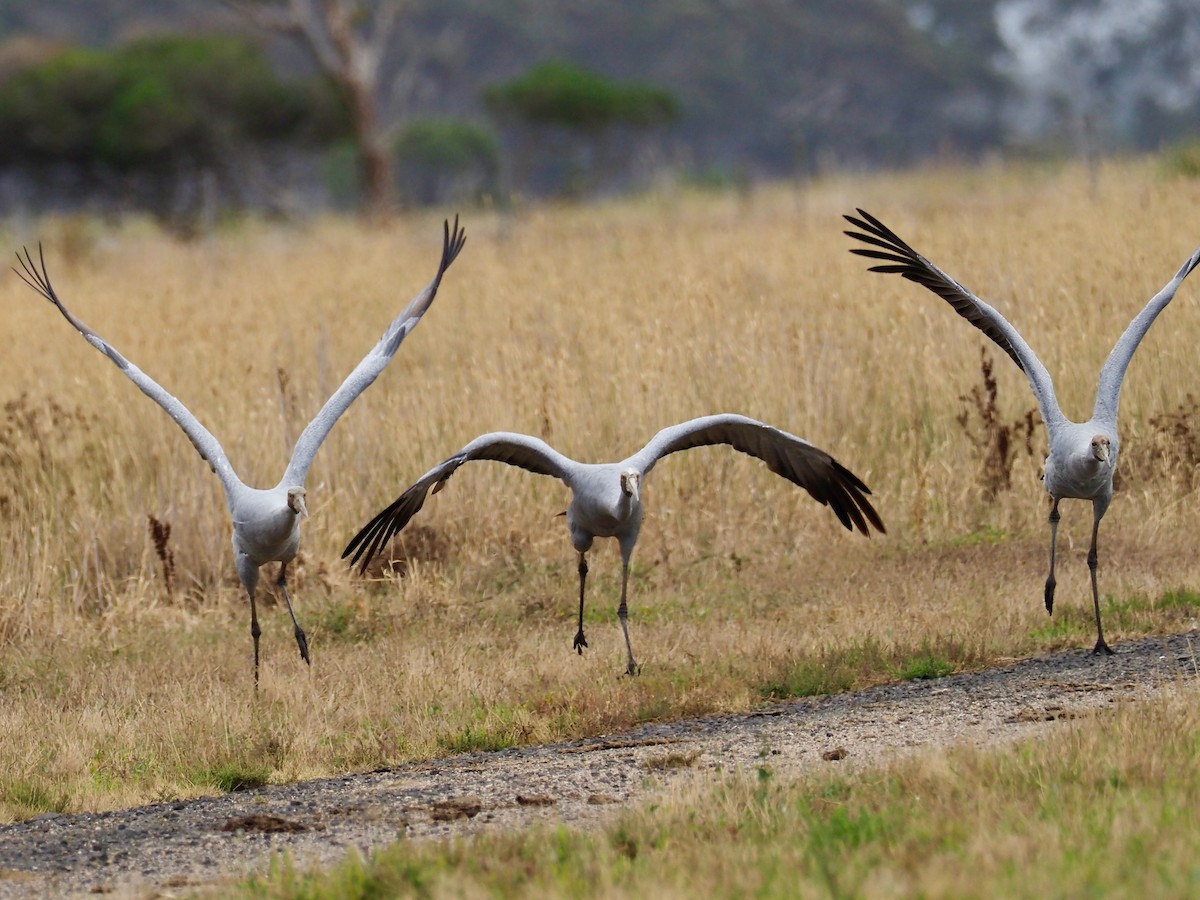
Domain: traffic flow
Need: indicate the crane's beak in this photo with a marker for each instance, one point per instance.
(630, 482)
(1101, 448)
(296, 502)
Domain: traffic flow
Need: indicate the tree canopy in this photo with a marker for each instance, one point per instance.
(157, 101)
(559, 93)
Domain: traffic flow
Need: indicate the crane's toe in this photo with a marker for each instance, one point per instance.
(302, 643)
(1102, 648)
(580, 642)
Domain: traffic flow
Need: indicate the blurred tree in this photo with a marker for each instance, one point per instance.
(559, 96)
(438, 158)
(559, 93)
(349, 39)
(166, 108)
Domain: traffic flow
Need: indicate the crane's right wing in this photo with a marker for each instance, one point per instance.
(37, 278)
(826, 480)
(372, 364)
(1108, 391)
(903, 260)
(521, 450)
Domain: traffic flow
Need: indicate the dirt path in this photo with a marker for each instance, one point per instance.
(189, 844)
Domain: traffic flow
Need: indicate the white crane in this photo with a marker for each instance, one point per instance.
(606, 498)
(1083, 456)
(266, 523)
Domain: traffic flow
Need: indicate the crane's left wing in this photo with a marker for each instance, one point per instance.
(1108, 392)
(828, 481)
(36, 276)
(372, 364)
(520, 450)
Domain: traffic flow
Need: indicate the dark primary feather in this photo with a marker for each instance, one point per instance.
(39, 279)
(375, 534)
(452, 243)
(828, 481)
(912, 265)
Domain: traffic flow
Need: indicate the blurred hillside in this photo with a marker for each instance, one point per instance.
(764, 87)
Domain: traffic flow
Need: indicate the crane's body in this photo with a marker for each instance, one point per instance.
(606, 498)
(266, 523)
(1082, 456)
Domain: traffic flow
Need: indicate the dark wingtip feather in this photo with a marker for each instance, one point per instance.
(452, 243)
(38, 280)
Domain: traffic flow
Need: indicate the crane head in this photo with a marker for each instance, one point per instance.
(296, 501)
(630, 482)
(1101, 446)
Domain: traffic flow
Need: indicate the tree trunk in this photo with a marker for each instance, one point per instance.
(374, 158)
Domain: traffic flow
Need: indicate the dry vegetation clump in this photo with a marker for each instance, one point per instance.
(998, 443)
(593, 327)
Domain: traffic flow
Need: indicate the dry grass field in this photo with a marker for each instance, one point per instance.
(592, 327)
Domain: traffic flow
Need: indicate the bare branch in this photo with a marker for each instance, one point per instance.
(265, 15)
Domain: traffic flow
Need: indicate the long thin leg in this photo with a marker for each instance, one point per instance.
(301, 640)
(1093, 561)
(255, 632)
(580, 640)
(1050, 582)
(623, 616)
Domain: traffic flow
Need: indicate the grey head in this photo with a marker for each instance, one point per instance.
(295, 501)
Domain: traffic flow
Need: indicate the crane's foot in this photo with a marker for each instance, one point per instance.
(1101, 648)
(633, 668)
(302, 643)
(580, 642)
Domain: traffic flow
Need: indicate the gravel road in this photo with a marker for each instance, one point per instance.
(176, 847)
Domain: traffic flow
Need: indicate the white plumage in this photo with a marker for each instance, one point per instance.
(606, 497)
(1083, 456)
(266, 523)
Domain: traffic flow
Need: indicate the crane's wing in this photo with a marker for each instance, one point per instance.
(828, 481)
(37, 278)
(372, 364)
(904, 260)
(521, 450)
(1108, 393)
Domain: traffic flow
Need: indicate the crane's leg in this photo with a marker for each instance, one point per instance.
(580, 640)
(256, 633)
(1054, 517)
(1093, 561)
(623, 616)
(301, 640)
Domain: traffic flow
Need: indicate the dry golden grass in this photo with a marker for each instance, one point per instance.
(591, 327)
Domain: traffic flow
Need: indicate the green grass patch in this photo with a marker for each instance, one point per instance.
(492, 727)
(926, 665)
(1075, 623)
(865, 663)
(980, 537)
(477, 739)
(33, 796)
(1180, 599)
(233, 776)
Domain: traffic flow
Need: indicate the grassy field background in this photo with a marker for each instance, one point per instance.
(591, 327)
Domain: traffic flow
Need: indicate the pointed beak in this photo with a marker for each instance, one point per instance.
(1101, 451)
(630, 483)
